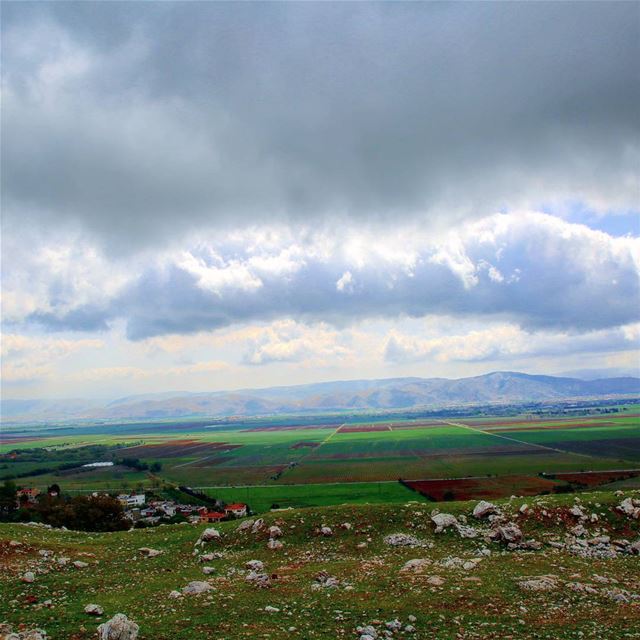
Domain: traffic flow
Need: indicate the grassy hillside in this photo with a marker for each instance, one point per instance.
(589, 597)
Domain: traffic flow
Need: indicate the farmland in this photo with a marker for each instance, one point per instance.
(311, 462)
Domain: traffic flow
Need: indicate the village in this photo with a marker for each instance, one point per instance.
(145, 509)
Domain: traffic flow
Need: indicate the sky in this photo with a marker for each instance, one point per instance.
(204, 196)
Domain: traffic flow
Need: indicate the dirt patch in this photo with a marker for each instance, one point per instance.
(364, 428)
(593, 478)
(475, 488)
(302, 445)
(178, 449)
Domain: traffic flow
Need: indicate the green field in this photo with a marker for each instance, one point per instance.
(343, 456)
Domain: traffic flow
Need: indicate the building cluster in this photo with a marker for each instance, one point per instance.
(155, 511)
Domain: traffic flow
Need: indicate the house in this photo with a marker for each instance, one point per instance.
(133, 500)
(28, 494)
(237, 510)
(147, 513)
(212, 516)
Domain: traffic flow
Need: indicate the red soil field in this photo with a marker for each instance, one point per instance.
(177, 449)
(475, 488)
(364, 428)
(302, 445)
(594, 478)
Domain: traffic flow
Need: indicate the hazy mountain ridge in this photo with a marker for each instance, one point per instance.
(395, 393)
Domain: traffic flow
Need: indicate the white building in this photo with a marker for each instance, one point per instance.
(133, 500)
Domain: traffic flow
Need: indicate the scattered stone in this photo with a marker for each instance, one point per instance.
(79, 564)
(149, 552)
(207, 570)
(274, 544)
(245, 524)
(207, 535)
(443, 521)
(254, 565)
(261, 580)
(435, 581)
(541, 583)
(403, 540)
(196, 587)
(257, 525)
(270, 609)
(484, 509)
(326, 531)
(118, 628)
(28, 577)
(175, 594)
(94, 610)
(416, 565)
(275, 532)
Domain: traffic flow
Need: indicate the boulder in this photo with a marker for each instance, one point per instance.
(196, 587)
(207, 535)
(245, 524)
(275, 532)
(274, 544)
(257, 525)
(94, 610)
(416, 565)
(509, 533)
(254, 565)
(28, 577)
(261, 580)
(541, 583)
(630, 507)
(118, 628)
(443, 521)
(402, 540)
(484, 509)
(326, 531)
(79, 564)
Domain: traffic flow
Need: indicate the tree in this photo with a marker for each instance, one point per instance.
(8, 499)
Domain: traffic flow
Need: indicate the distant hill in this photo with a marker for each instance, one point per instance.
(351, 395)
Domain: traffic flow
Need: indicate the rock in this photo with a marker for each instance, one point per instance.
(409, 628)
(196, 587)
(261, 580)
(118, 628)
(33, 634)
(412, 618)
(207, 535)
(14, 543)
(542, 583)
(346, 526)
(506, 533)
(435, 581)
(274, 544)
(466, 532)
(270, 609)
(524, 508)
(443, 521)
(630, 507)
(326, 531)
(579, 530)
(275, 532)
(367, 631)
(325, 581)
(416, 565)
(207, 570)
(62, 561)
(257, 525)
(254, 565)
(634, 548)
(245, 524)
(79, 564)
(149, 552)
(402, 540)
(576, 511)
(175, 594)
(484, 509)
(28, 577)
(94, 610)
(393, 625)
(208, 557)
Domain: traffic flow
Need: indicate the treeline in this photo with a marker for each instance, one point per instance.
(82, 513)
(139, 465)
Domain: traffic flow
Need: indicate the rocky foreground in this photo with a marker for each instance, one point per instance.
(548, 567)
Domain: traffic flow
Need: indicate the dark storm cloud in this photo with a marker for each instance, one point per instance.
(142, 121)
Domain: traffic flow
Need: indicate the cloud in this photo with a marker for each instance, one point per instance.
(506, 342)
(140, 123)
(526, 268)
(288, 341)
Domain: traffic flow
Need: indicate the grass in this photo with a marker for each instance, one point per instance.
(481, 604)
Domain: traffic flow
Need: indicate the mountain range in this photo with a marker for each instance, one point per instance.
(352, 395)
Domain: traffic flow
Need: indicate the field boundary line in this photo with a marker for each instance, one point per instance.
(531, 444)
